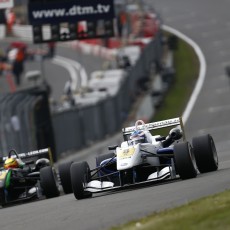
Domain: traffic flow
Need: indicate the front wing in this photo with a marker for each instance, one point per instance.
(96, 186)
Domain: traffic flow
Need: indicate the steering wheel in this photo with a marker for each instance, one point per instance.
(14, 152)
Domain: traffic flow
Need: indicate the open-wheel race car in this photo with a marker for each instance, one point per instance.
(144, 158)
(27, 176)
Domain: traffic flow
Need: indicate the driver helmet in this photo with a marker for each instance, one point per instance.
(137, 136)
(11, 163)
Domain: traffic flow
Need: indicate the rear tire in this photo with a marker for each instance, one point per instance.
(80, 175)
(64, 173)
(205, 153)
(184, 160)
(48, 182)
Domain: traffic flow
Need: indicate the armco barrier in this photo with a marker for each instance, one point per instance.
(25, 122)
(93, 119)
(68, 130)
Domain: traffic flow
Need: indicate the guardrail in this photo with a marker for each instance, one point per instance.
(86, 123)
(25, 126)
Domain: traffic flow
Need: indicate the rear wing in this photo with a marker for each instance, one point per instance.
(156, 125)
(34, 155)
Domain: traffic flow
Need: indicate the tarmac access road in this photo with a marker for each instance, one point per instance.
(207, 22)
(55, 74)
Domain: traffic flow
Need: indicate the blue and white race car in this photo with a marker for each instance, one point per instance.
(143, 158)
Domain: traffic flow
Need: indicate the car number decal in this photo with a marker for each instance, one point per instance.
(125, 153)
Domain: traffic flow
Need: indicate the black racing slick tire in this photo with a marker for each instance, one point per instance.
(2, 198)
(64, 173)
(185, 160)
(48, 182)
(205, 153)
(80, 176)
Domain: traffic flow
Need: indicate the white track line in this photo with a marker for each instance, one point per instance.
(83, 81)
(73, 74)
(202, 71)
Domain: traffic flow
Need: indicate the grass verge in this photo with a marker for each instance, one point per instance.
(207, 213)
(187, 69)
(210, 213)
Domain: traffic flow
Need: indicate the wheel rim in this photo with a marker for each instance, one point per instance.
(86, 179)
(192, 156)
(56, 179)
(215, 156)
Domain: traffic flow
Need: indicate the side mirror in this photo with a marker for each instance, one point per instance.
(113, 147)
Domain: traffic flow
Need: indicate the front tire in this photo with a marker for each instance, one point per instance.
(80, 176)
(184, 160)
(205, 153)
(48, 182)
(2, 198)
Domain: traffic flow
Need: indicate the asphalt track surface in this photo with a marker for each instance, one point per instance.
(55, 75)
(207, 22)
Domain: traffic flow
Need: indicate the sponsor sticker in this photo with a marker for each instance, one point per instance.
(6, 4)
(125, 153)
(154, 125)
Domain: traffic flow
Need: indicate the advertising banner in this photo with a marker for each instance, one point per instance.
(6, 4)
(70, 11)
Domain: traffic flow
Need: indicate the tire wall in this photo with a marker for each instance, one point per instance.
(25, 121)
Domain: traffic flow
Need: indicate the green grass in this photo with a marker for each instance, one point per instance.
(210, 213)
(187, 68)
